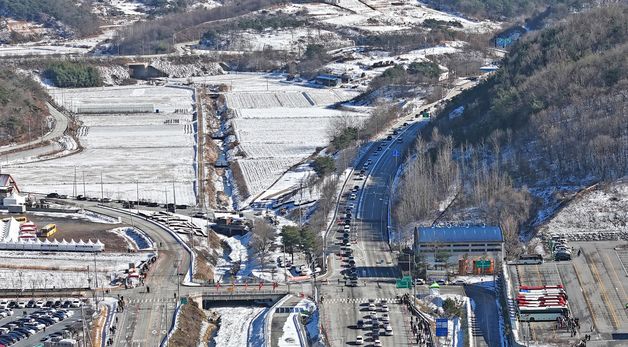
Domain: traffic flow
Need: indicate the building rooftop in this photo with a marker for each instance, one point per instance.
(459, 234)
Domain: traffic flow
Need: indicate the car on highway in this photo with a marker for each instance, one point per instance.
(377, 343)
(419, 281)
(359, 340)
(459, 282)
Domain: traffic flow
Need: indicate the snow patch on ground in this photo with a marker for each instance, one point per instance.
(234, 325)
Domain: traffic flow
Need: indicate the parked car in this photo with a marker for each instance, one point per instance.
(359, 340)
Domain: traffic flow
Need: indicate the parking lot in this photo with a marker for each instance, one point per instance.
(23, 326)
(596, 284)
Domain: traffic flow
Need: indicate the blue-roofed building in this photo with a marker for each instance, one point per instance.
(459, 239)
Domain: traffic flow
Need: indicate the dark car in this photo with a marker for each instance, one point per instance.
(388, 137)
(30, 304)
(360, 324)
(53, 195)
(81, 197)
(66, 304)
(57, 304)
(49, 303)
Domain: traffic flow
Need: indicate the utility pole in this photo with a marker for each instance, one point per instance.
(95, 280)
(174, 197)
(84, 183)
(74, 185)
(101, 188)
(137, 195)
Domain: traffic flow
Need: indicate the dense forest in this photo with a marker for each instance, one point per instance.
(22, 107)
(78, 18)
(553, 115)
(501, 9)
(67, 74)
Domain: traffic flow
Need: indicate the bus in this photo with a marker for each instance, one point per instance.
(48, 230)
(530, 259)
(542, 314)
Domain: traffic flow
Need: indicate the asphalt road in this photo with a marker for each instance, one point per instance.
(486, 331)
(376, 267)
(59, 128)
(375, 261)
(148, 316)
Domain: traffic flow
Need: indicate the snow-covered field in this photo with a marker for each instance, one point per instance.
(282, 39)
(135, 152)
(234, 325)
(382, 15)
(603, 210)
(61, 270)
(277, 124)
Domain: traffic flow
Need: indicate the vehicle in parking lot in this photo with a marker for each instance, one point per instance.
(560, 256)
(389, 330)
(359, 340)
(385, 308)
(377, 343)
(353, 196)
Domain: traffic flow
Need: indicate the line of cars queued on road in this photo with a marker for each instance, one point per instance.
(48, 313)
(375, 322)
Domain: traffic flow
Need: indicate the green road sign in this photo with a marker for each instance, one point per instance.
(483, 264)
(184, 301)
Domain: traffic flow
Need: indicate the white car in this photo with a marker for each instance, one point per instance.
(385, 317)
(371, 307)
(3, 314)
(389, 330)
(377, 343)
(359, 340)
(385, 308)
(8, 311)
(353, 196)
(21, 304)
(39, 304)
(460, 282)
(4, 303)
(419, 281)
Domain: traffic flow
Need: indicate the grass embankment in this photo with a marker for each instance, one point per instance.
(188, 331)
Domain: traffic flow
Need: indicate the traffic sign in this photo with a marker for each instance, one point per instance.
(483, 264)
(441, 326)
(395, 153)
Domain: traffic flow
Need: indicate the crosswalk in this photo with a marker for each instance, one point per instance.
(475, 330)
(151, 300)
(357, 300)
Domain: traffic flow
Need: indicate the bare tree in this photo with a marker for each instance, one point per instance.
(264, 236)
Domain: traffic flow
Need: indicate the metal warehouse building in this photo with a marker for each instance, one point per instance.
(459, 239)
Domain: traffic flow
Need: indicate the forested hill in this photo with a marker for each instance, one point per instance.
(557, 110)
(22, 107)
(78, 17)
